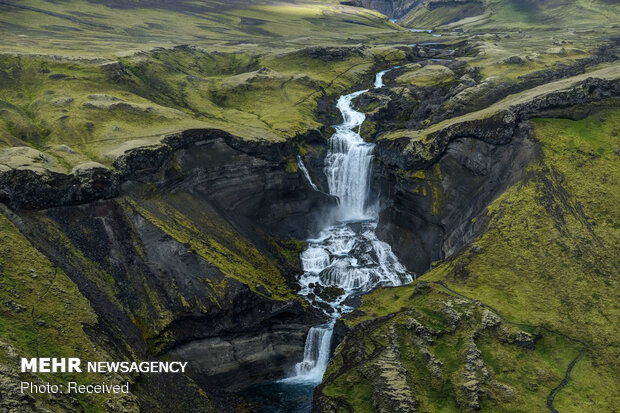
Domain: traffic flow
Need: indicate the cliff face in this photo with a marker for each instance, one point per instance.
(428, 215)
(436, 186)
(505, 322)
(192, 256)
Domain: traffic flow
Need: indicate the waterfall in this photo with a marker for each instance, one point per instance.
(304, 170)
(347, 254)
(316, 354)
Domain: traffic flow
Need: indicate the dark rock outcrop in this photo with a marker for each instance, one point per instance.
(34, 188)
(429, 216)
(417, 107)
(184, 219)
(25, 188)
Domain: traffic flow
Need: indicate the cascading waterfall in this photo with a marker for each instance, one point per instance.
(347, 254)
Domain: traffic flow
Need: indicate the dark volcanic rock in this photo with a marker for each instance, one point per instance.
(329, 54)
(24, 188)
(466, 165)
(161, 297)
(473, 173)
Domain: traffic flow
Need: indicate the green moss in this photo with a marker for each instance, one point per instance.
(546, 262)
(289, 249)
(519, 381)
(44, 314)
(368, 130)
(291, 165)
(430, 75)
(98, 115)
(207, 234)
(351, 386)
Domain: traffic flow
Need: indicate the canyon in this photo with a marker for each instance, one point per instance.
(406, 211)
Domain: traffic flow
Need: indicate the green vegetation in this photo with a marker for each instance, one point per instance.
(421, 142)
(435, 331)
(100, 28)
(82, 82)
(43, 315)
(78, 111)
(547, 262)
(502, 15)
(430, 75)
(209, 235)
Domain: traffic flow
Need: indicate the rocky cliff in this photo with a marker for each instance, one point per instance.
(187, 251)
(506, 322)
(437, 184)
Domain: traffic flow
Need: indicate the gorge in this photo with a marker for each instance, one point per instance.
(327, 206)
(346, 257)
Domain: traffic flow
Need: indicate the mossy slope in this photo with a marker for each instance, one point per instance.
(493, 15)
(80, 110)
(548, 262)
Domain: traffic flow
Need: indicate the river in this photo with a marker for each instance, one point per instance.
(346, 254)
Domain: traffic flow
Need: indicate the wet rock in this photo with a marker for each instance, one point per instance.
(354, 300)
(329, 293)
(325, 307)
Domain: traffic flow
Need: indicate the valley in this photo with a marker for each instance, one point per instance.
(356, 206)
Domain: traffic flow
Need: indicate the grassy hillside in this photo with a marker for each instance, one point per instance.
(81, 110)
(496, 327)
(500, 15)
(547, 265)
(44, 315)
(83, 81)
(78, 27)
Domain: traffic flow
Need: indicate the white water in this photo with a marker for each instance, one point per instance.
(304, 170)
(346, 254)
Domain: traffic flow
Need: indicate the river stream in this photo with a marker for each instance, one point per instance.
(346, 254)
